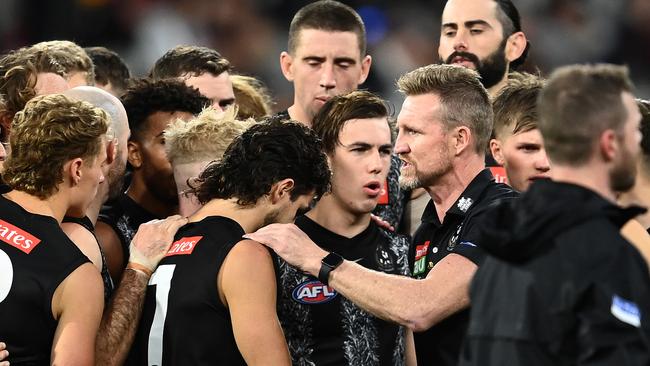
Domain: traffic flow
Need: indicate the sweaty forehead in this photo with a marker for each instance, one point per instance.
(461, 11)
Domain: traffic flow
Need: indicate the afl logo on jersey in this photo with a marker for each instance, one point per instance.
(313, 292)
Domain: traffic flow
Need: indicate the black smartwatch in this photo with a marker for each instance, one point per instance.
(328, 264)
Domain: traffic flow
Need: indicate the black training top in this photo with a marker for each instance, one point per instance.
(458, 233)
(184, 321)
(106, 277)
(324, 328)
(561, 286)
(125, 216)
(35, 257)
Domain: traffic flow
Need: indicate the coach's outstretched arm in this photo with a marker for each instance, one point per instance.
(120, 322)
(417, 304)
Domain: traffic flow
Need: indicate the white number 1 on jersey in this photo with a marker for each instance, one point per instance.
(162, 279)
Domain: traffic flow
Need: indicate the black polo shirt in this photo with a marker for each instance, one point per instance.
(434, 240)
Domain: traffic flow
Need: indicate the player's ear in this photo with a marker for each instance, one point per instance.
(134, 155)
(497, 153)
(281, 190)
(286, 63)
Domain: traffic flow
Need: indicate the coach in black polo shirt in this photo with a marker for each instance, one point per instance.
(444, 128)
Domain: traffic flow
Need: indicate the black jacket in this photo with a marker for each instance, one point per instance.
(561, 286)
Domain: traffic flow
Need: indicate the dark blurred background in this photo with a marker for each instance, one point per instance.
(401, 34)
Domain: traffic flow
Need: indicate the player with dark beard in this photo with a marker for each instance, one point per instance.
(484, 35)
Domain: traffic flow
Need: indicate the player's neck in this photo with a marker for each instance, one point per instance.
(639, 195)
(139, 193)
(495, 89)
(54, 206)
(595, 178)
(297, 114)
(250, 218)
(330, 214)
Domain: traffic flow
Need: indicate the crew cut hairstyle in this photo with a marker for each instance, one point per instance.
(146, 97)
(331, 118)
(50, 131)
(577, 105)
(265, 154)
(515, 107)
(189, 60)
(203, 138)
(510, 20)
(327, 15)
(109, 68)
(464, 100)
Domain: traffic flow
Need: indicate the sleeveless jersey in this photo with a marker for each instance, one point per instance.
(125, 216)
(324, 328)
(35, 257)
(106, 277)
(184, 321)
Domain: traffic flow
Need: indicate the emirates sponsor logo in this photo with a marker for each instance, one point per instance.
(183, 246)
(17, 237)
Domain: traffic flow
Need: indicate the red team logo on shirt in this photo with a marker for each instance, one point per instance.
(420, 257)
(383, 194)
(17, 237)
(183, 246)
(499, 174)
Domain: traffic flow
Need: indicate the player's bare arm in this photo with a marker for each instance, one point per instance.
(77, 304)
(417, 304)
(120, 322)
(252, 304)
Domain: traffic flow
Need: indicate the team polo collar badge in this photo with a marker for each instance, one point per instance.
(464, 203)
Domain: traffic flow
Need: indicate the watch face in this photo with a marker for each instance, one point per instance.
(332, 260)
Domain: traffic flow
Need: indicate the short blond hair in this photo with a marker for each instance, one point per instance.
(203, 138)
(463, 98)
(50, 131)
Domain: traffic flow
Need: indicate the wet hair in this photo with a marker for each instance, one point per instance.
(192, 60)
(109, 68)
(146, 97)
(327, 15)
(577, 105)
(265, 154)
(463, 98)
(337, 111)
(50, 131)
